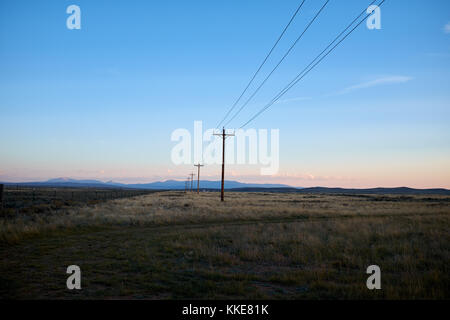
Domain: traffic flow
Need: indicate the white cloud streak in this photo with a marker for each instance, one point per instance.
(294, 99)
(447, 28)
(376, 82)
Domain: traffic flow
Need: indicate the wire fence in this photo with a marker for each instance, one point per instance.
(16, 199)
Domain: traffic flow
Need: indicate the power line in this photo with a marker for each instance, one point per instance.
(331, 43)
(306, 70)
(262, 64)
(278, 64)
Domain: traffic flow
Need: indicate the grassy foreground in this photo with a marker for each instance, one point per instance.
(173, 245)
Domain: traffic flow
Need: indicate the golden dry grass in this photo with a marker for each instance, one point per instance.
(179, 208)
(255, 245)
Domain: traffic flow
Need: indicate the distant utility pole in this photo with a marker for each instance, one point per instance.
(224, 136)
(188, 181)
(198, 176)
(192, 179)
(1, 196)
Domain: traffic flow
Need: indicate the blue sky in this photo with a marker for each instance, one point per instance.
(101, 102)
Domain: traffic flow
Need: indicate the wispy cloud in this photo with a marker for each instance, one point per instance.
(447, 28)
(294, 99)
(376, 82)
(438, 54)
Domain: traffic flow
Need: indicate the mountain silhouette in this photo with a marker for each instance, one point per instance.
(229, 184)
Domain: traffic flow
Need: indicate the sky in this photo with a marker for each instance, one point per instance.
(101, 102)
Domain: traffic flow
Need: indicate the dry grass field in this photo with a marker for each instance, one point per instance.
(172, 245)
(26, 200)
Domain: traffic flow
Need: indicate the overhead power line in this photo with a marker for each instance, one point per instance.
(331, 43)
(278, 64)
(311, 66)
(262, 64)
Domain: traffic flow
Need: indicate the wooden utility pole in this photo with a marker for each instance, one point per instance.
(198, 176)
(192, 179)
(224, 136)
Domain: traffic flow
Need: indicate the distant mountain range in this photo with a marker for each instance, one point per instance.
(398, 190)
(229, 184)
(160, 185)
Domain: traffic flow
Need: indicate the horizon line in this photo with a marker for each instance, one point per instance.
(166, 180)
